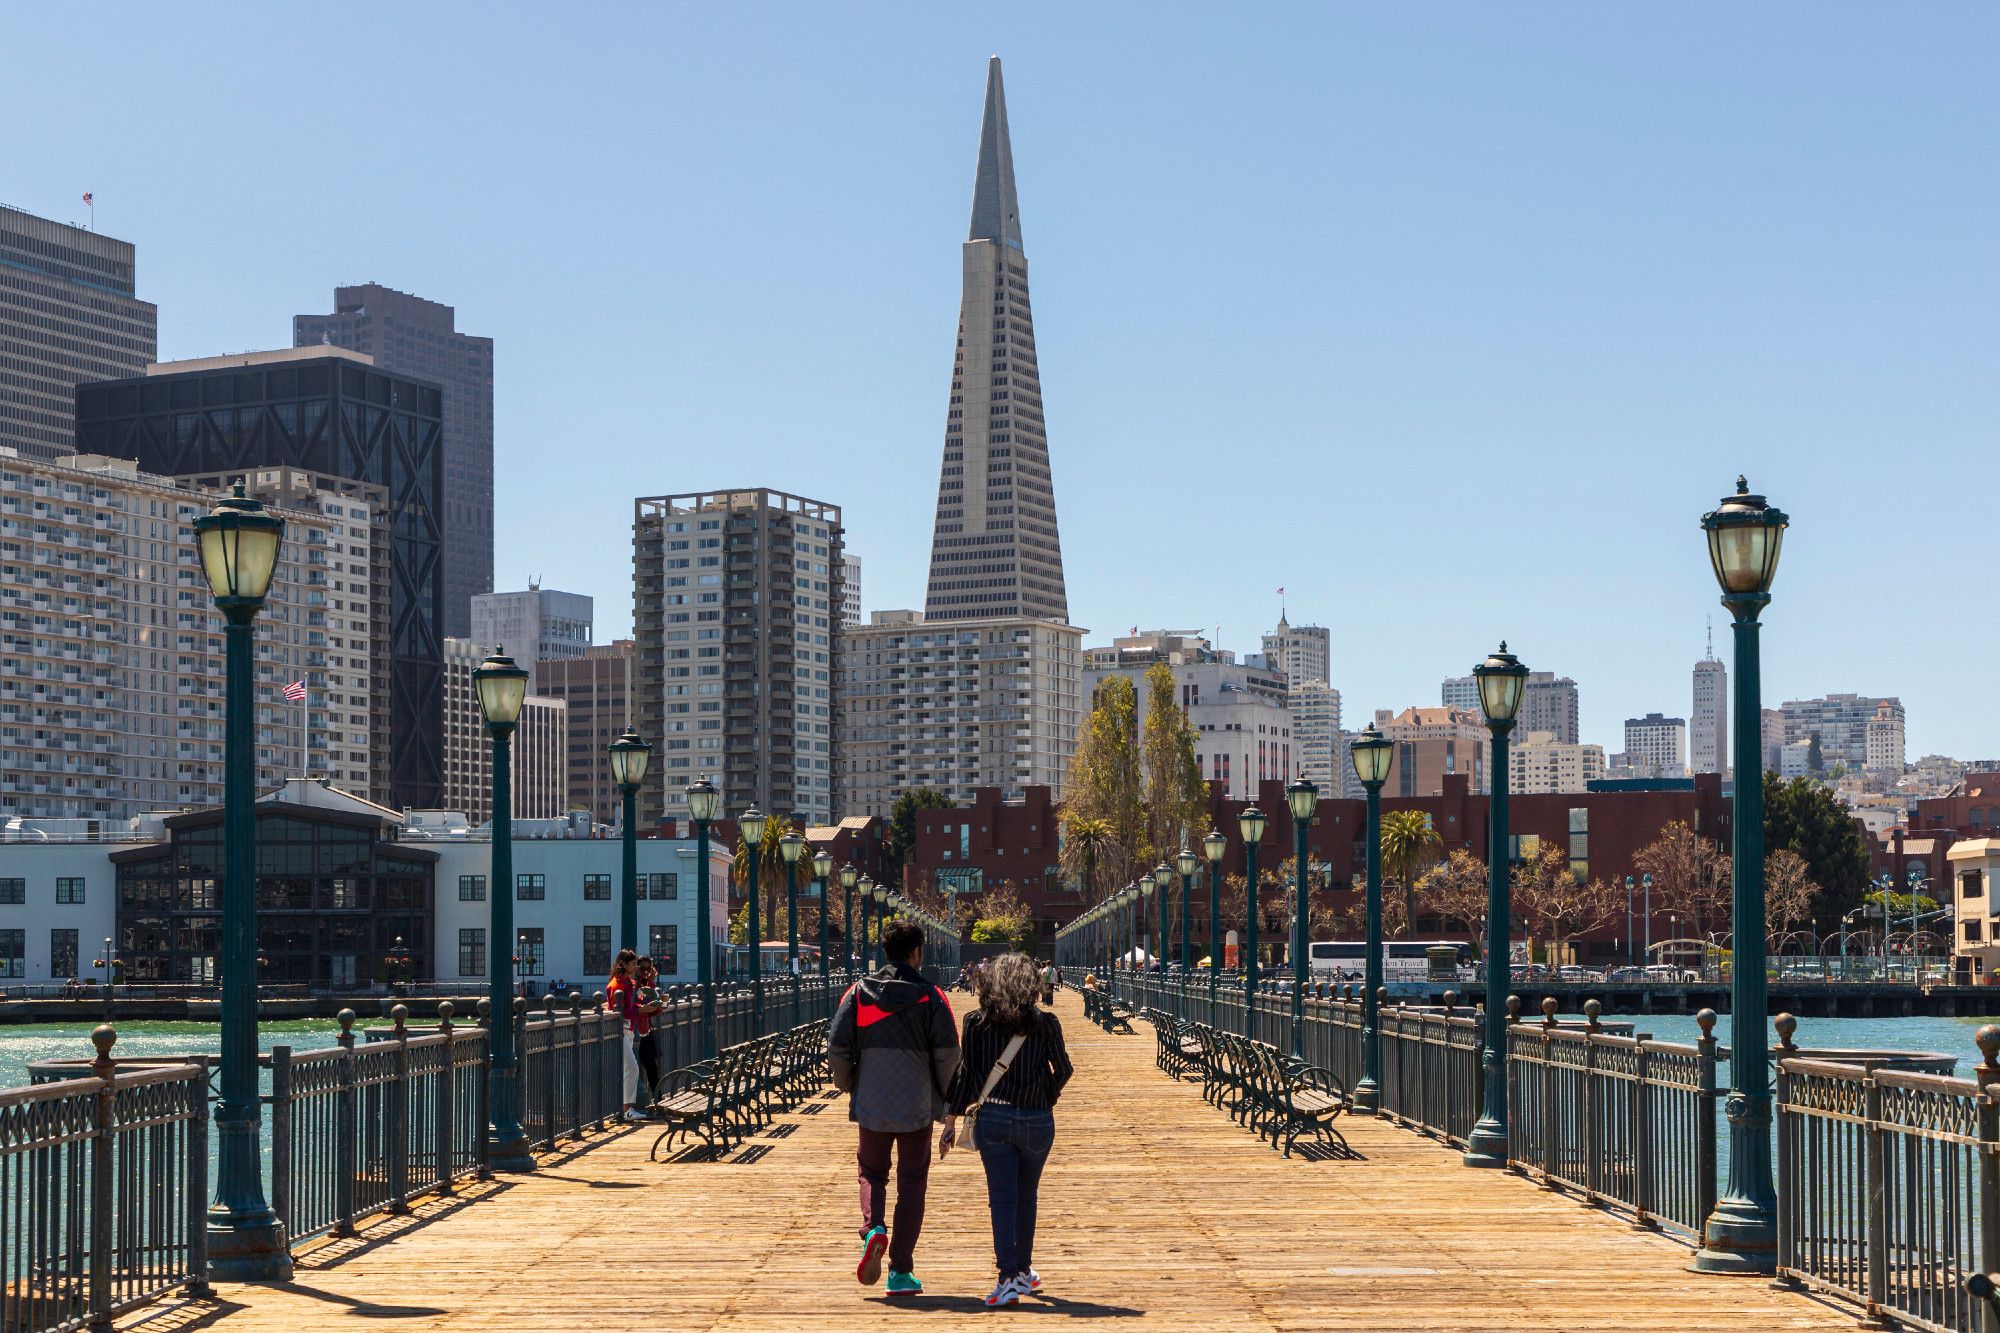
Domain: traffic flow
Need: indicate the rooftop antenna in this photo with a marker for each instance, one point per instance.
(1711, 638)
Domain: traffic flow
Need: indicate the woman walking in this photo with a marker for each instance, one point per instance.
(1014, 1069)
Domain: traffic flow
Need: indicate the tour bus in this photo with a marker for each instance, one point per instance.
(1402, 960)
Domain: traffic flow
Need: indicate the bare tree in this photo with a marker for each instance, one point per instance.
(1555, 903)
(1690, 875)
(1454, 890)
(1789, 891)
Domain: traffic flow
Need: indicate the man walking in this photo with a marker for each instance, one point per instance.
(893, 1048)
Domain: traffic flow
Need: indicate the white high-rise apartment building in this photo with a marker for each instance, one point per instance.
(1460, 692)
(533, 625)
(1240, 711)
(1538, 762)
(538, 757)
(112, 701)
(1304, 653)
(850, 590)
(1656, 745)
(1883, 739)
(1316, 736)
(956, 705)
(1840, 721)
(736, 640)
(1708, 729)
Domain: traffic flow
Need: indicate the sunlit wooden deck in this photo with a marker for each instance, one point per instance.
(1155, 1208)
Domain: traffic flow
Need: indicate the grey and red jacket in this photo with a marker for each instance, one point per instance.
(893, 1048)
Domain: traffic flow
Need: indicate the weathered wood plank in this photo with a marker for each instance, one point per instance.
(1154, 1207)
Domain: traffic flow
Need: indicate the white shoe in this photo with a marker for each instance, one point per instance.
(1032, 1282)
(1007, 1291)
(634, 1116)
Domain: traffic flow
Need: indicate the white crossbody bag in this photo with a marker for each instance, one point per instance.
(968, 1132)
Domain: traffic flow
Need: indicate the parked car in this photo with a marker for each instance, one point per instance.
(1667, 973)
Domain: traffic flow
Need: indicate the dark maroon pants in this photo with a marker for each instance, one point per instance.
(913, 1172)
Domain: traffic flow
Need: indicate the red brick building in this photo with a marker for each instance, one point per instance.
(992, 843)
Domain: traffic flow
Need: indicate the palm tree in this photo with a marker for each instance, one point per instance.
(1409, 843)
(1087, 833)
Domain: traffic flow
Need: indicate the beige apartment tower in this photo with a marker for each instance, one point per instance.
(736, 629)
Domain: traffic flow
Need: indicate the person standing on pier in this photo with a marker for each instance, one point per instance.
(893, 1048)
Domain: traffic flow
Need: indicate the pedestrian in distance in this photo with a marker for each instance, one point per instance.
(621, 997)
(893, 1048)
(1012, 1072)
(646, 1045)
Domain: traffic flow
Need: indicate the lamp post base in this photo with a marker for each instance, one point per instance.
(1486, 1146)
(1367, 1098)
(247, 1249)
(1739, 1238)
(507, 1150)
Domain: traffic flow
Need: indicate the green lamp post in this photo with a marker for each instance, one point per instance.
(238, 544)
(630, 756)
(1740, 1236)
(848, 878)
(501, 685)
(1215, 846)
(1251, 825)
(1186, 862)
(1303, 798)
(789, 847)
(1143, 893)
(703, 800)
(751, 824)
(822, 869)
(1372, 752)
(867, 961)
(1501, 679)
(1163, 875)
(881, 894)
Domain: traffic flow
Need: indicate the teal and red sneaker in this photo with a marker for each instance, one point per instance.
(874, 1242)
(904, 1284)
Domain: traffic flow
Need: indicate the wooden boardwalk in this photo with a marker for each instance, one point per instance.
(1155, 1209)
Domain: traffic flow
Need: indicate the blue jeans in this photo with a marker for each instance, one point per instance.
(1014, 1146)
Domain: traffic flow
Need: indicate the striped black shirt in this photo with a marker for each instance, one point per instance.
(1033, 1082)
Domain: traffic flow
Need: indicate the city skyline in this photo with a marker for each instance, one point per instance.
(1565, 322)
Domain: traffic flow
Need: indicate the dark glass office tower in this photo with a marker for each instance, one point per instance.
(408, 335)
(67, 315)
(327, 412)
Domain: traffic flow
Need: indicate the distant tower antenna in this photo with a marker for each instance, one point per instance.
(1711, 639)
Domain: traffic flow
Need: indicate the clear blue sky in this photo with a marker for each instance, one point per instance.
(1451, 319)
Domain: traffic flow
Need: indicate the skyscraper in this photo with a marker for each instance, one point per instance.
(68, 315)
(1303, 652)
(736, 630)
(597, 687)
(983, 687)
(337, 418)
(1708, 724)
(409, 335)
(1657, 745)
(994, 547)
(1549, 704)
(535, 625)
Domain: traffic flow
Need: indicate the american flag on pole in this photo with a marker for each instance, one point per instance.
(296, 692)
(87, 200)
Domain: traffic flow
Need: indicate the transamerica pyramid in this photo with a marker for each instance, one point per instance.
(994, 547)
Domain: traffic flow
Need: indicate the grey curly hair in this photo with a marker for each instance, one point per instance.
(1009, 989)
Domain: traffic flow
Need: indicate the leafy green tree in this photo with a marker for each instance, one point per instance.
(1409, 844)
(1804, 817)
(901, 838)
(1104, 785)
(1003, 919)
(1176, 797)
